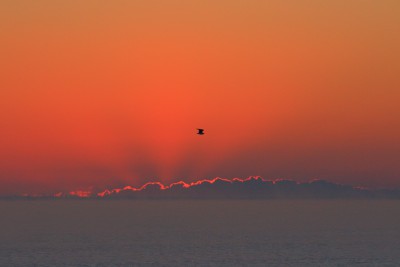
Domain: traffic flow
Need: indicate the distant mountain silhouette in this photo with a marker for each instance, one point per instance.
(250, 188)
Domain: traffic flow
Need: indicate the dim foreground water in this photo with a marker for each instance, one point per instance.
(200, 233)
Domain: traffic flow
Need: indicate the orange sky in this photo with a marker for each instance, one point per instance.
(110, 93)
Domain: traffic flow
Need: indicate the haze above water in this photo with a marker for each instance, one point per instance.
(200, 233)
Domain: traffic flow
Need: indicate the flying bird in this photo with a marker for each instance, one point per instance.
(200, 131)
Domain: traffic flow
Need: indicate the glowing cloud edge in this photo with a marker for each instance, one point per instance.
(253, 187)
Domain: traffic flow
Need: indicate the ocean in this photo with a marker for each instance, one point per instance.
(199, 233)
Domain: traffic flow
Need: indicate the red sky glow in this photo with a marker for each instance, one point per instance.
(105, 94)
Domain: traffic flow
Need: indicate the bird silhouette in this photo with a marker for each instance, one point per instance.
(200, 131)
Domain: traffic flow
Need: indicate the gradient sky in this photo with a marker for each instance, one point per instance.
(110, 93)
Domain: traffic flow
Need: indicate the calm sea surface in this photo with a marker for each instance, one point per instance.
(200, 233)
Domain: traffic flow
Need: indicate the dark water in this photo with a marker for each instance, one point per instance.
(200, 233)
